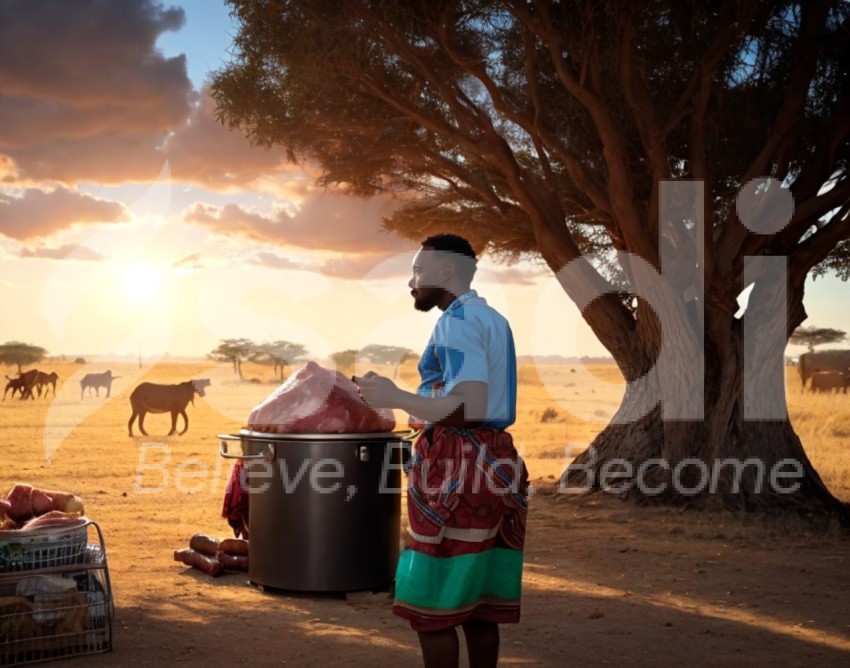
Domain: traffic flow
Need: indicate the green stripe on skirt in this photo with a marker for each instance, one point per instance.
(449, 583)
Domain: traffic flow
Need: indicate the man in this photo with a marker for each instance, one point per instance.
(467, 487)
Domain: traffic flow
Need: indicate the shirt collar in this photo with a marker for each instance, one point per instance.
(460, 300)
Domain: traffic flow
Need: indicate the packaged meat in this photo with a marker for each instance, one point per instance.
(205, 564)
(319, 401)
(233, 562)
(204, 544)
(234, 546)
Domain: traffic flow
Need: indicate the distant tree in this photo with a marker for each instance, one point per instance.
(816, 336)
(281, 354)
(344, 358)
(20, 354)
(234, 351)
(381, 354)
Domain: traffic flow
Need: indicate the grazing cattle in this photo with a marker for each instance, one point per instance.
(14, 384)
(154, 398)
(827, 381)
(97, 380)
(822, 360)
(43, 379)
(28, 378)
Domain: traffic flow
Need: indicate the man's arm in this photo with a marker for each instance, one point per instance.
(464, 406)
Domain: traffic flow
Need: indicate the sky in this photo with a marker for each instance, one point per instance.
(133, 222)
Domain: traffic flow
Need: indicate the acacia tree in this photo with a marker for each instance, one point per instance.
(20, 354)
(279, 353)
(562, 130)
(233, 351)
(816, 336)
(344, 358)
(384, 354)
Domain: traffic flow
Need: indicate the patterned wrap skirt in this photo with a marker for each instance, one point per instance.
(467, 506)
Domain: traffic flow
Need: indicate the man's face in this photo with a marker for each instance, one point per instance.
(428, 280)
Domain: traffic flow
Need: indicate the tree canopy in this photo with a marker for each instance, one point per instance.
(565, 131)
(279, 353)
(233, 351)
(816, 336)
(21, 354)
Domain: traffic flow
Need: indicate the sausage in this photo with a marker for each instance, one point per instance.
(204, 544)
(233, 546)
(234, 562)
(209, 565)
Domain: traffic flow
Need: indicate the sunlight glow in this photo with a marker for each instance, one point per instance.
(142, 281)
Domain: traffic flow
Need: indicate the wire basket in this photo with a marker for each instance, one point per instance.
(56, 624)
(47, 547)
(61, 608)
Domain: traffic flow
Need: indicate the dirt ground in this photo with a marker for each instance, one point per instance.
(605, 582)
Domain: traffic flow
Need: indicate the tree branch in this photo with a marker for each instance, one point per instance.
(615, 152)
(803, 57)
(820, 244)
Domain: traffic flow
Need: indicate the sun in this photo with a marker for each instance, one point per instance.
(142, 281)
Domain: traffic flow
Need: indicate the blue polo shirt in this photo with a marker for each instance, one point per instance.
(472, 342)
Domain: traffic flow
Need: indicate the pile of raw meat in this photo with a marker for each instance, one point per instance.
(27, 508)
(318, 401)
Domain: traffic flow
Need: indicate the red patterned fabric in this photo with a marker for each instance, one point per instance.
(467, 479)
(235, 507)
(467, 494)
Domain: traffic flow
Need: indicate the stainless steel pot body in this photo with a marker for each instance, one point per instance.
(324, 510)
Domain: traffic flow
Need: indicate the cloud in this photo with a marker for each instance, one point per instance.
(63, 252)
(323, 221)
(86, 94)
(192, 261)
(39, 213)
(275, 261)
(205, 152)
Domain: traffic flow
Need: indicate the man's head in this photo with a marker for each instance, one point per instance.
(442, 269)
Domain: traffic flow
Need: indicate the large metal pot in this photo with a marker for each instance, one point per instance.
(324, 509)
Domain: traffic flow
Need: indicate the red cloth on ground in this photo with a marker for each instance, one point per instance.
(235, 508)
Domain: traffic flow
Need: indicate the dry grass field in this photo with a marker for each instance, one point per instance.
(605, 582)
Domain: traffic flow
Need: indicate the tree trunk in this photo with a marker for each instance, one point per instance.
(733, 457)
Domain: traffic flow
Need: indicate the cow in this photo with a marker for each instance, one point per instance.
(155, 398)
(97, 380)
(14, 384)
(822, 360)
(43, 379)
(827, 381)
(28, 379)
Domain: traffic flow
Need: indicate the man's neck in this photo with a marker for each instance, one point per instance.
(449, 295)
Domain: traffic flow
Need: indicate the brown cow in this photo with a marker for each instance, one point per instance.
(94, 381)
(14, 384)
(154, 398)
(28, 378)
(827, 381)
(822, 360)
(42, 379)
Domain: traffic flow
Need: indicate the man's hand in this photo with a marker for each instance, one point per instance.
(378, 391)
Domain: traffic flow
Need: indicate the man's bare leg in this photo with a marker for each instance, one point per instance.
(482, 643)
(439, 648)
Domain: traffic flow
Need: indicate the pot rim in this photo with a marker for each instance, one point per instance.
(251, 435)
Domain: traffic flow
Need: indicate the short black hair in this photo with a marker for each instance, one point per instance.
(460, 249)
(450, 242)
